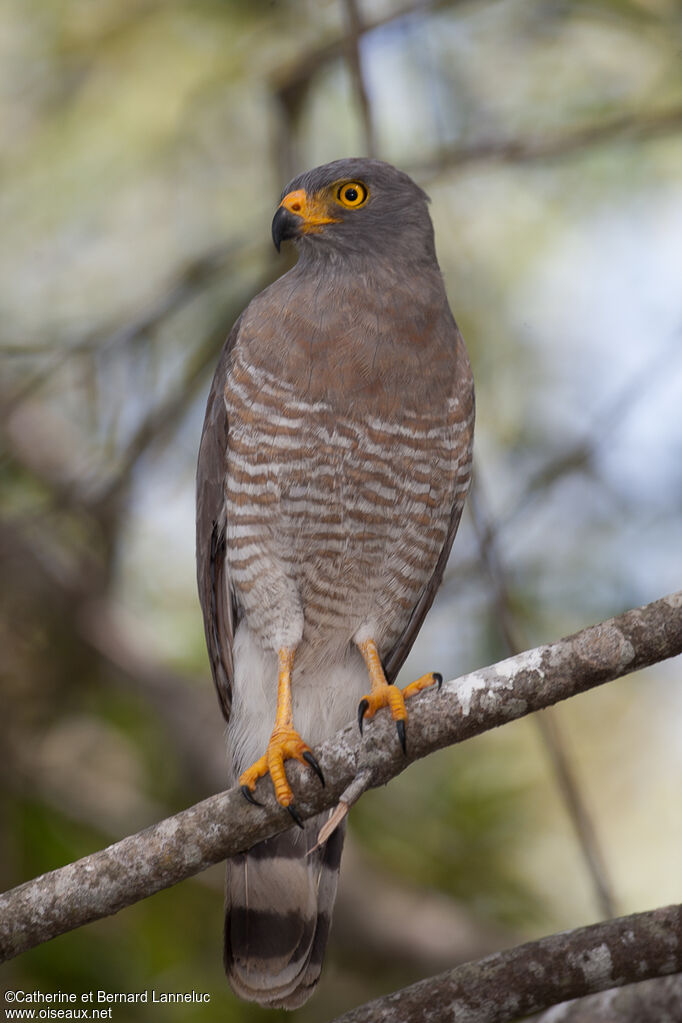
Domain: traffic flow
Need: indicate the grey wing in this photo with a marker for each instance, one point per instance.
(217, 605)
(401, 648)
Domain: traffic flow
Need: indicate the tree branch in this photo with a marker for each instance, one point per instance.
(183, 845)
(628, 127)
(354, 60)
(658, 1000)
(534, 976)
(547, 722)
(296, 75)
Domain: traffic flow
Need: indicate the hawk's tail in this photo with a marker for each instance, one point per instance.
(278, 908)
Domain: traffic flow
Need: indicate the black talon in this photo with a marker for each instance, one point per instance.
(310, 759)
(295, 814)
(247, 794)
(438, 679)
(362, 707)
(400, 729)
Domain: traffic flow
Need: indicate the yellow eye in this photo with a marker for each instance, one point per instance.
(352, 194)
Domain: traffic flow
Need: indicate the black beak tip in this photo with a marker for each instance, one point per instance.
(276, 230)
(285, 225)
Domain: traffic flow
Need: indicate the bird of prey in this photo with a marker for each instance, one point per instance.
(334, 464)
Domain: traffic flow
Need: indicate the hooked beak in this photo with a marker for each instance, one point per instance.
(285, 225)
(299, 214)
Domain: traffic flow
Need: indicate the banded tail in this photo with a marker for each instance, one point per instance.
(279, 899)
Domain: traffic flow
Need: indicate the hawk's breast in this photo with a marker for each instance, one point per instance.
(353, 509)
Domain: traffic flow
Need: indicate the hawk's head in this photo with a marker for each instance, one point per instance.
(354, 206)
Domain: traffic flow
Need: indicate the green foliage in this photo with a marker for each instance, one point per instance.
(455, 824)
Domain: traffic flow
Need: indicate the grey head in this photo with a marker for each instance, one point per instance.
(355, 209)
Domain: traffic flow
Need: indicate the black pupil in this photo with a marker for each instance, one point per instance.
(351, 194)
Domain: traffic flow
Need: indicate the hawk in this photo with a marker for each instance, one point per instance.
(334, 464)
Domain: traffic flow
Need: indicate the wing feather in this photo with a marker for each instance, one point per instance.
(401, 648)
(215, 593)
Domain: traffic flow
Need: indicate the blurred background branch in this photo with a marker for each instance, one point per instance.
(632, 128)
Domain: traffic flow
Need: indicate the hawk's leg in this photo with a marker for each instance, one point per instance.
(385, 695)
(285, 744)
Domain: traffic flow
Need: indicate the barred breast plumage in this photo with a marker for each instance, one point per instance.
(333, 469)
(347, 509)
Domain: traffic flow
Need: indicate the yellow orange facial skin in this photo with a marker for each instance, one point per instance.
(313, 209)
(317, 210)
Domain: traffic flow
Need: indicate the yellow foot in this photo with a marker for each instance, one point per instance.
(285, 744)
(385, 695)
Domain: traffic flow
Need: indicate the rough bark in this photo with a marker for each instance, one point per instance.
(650, 1001)
(502, 987)
(183, 845)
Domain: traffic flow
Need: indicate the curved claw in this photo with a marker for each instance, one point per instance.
(438, 679)
(295, 814)
(248, 795)
(400, 728)
(362, 707)
(310, 759)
